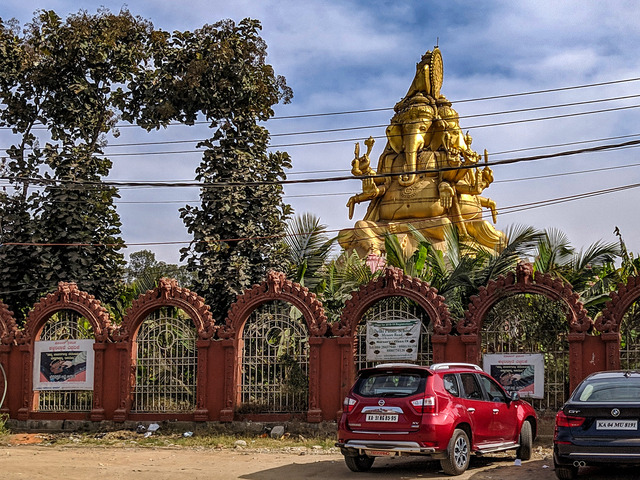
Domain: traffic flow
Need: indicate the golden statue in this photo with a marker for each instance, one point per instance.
(427, 175)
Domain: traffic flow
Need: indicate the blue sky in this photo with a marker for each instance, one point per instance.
(355, 55)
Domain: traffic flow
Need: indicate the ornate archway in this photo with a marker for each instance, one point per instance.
(524, 281)
(610, 321)
(66, 297)
(276, 287)
(392, 283)
(167, 294)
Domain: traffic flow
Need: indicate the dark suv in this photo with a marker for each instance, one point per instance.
(446, 412)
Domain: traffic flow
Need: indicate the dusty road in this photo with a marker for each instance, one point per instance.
(69, 462)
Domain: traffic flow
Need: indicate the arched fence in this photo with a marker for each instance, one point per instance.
(276, 357)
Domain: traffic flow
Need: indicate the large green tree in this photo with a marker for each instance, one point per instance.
(61, 86)
(218, 73)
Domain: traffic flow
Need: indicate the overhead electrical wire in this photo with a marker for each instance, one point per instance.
(173, 184)
(493, 97)
(365, 127)
(502, 211)
(340, 194)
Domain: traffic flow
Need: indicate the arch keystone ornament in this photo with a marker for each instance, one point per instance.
(167, 294)
(525, 281)
(275, 287)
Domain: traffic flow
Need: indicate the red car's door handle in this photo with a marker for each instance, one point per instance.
(496, 411)
(471, 410)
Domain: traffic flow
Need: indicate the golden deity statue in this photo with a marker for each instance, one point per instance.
(427, 175)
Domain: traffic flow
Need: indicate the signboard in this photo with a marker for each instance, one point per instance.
(518, 372)
(396, 339)
(63, 365)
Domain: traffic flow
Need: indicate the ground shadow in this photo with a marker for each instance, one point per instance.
(407, 468)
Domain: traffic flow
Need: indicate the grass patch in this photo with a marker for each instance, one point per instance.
(129, 438)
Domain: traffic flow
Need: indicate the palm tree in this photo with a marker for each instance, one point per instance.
(340, 277)
(308, 247)
(590, 271)
(459, 271)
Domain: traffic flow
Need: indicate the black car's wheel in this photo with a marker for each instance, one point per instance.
(361, 463)
(458, 454)
(566, 472)
(526, 442)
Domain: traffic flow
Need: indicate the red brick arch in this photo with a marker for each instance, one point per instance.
(394, 283)
(524, 281)
(66, 297)
(621, 300)
(275, 287)
(167, 294)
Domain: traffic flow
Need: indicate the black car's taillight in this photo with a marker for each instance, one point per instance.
(563, 420)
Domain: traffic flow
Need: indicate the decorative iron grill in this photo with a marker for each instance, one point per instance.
(630, 338)
(517, 325)
(275, 361)
(395, 308)
(65, 325)
(166, 363)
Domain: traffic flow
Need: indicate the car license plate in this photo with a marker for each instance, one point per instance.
(379, 417)
(617, 425)
(380, 453)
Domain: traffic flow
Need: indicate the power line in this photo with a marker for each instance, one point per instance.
(365, 127)
(492, 97)
(42, 181)
(503, 211)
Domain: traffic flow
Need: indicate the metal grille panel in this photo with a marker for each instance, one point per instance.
(515, 326)
(395, 307)
(630, 338)
(65, 325)
(275, 360)
(166, 363)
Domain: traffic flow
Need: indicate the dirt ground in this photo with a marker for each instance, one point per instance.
(23, 458)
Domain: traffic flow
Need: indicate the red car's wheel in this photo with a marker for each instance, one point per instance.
(458, 454)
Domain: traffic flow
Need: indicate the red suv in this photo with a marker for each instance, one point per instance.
(446, 412)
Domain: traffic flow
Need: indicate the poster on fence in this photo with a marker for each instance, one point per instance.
(518, 372)
(393, 339)
(63, 365)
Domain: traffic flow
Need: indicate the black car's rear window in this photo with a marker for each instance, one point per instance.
(620, 389)
(401, 384)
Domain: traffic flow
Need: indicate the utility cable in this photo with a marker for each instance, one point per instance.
(83, 184)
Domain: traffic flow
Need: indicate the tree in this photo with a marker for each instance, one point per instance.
(144, 267)
(68, 76)
(308, 249)
(219, 72)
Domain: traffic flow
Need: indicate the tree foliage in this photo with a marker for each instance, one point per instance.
(67, 75)
(219, 72)
(78, 77)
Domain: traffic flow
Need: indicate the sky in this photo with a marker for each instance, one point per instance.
(347, 55)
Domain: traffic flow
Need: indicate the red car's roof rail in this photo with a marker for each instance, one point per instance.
(443, 366)
(396, 365)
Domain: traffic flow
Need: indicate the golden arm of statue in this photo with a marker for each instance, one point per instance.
(361, 166)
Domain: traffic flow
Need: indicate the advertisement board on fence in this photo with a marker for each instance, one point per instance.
(518, 372)
(63, 365)
(395, 339)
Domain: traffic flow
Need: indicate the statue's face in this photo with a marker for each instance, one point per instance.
(455, 141)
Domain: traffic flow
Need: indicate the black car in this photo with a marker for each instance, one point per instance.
(599, 424)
